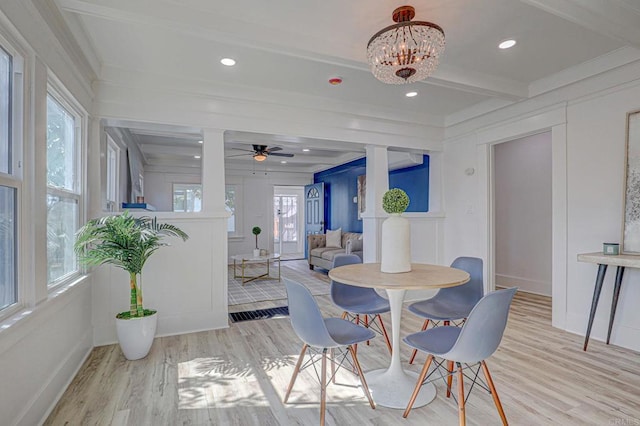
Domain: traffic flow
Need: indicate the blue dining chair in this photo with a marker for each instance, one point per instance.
(359, 301)
(453, 303)
(321, 335)
(470, 344)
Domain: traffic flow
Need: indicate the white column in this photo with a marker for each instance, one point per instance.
(213, 196)
(377, 185)
(213, 172)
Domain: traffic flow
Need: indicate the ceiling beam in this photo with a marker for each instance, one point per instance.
(165, 20)
(618, 19)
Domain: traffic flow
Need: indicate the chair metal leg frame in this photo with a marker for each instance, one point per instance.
(435, 324)
(461, 400)
(340, 360)
(372, 322)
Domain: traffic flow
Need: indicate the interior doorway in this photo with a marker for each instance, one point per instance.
(288, 222)
(522, 222)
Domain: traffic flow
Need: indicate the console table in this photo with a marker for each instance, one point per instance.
(621, 261)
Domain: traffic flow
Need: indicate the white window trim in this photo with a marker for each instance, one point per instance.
(113, 205)
(56, 89)
(239, 208)
(15, 179)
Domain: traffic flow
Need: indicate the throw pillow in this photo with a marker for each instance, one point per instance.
(334, 238)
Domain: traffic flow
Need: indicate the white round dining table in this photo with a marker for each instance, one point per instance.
(392, 387)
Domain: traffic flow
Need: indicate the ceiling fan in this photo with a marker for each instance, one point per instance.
(261, 152)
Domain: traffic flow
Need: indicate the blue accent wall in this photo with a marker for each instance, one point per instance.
(341, 186)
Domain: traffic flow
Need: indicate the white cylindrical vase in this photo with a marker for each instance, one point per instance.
(396, 245)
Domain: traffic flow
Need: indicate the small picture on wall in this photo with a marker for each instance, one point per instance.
(362, 192)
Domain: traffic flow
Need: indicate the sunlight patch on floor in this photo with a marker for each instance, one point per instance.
(218, 382)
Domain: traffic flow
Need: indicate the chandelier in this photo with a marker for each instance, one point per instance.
(406, 51)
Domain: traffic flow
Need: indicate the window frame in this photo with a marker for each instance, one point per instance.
(239, 223)
(59, 94)
(173, 193)
(14, 179)
(113, 182)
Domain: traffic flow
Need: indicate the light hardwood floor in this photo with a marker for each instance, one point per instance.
(238, 376)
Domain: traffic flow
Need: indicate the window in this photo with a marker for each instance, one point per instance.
(5, 111)
(230, 206)
(113, 173)
(63, 188)
(10, 184)
(187, 197)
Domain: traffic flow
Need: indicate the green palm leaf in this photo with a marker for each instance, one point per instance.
(126, 242)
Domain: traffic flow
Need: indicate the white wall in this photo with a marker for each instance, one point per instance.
(47, 338)
(158, 186)
(256, 202)
(588, 159)
(523, 213)
(179, 281)
(595, 150)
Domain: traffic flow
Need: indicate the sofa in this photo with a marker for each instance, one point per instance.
(322, 256)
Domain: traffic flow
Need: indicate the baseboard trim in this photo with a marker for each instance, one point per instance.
(39, 407)
(526, 284)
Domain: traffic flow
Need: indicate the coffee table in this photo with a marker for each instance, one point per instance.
(245, 259)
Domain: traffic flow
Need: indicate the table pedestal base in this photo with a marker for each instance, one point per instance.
(393, 389)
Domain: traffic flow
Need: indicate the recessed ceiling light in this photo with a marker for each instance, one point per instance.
(411, 94)
(200, 141)
(507, 44)
(228, 62)
(305, 149)
(197, 157)
(283, 162)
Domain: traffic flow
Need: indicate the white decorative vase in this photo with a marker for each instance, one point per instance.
(396, 245)
(136, 335)
(256, 252)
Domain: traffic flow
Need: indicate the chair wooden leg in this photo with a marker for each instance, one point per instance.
(414, 395)
(356, 363)
(494, 393)
(415, 351)
(449, 378)
(461, 413)
(384, 333)
(295, 372)
(323, 386)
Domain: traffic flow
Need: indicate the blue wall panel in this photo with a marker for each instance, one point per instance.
(341, 186)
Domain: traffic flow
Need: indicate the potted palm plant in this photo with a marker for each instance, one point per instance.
(127, 242)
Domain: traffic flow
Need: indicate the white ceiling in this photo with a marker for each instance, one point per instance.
(295, 47)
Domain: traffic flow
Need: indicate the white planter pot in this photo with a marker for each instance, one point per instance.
(136, 335)
(396, 245)
(256, 252)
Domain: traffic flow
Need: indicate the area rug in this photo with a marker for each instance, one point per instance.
(270, 289)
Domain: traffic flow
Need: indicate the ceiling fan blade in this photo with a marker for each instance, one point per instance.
(281, 154)
(275, 148)
(240, 149)
(238, 155)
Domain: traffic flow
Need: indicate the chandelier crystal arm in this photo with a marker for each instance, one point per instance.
(407, 51)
